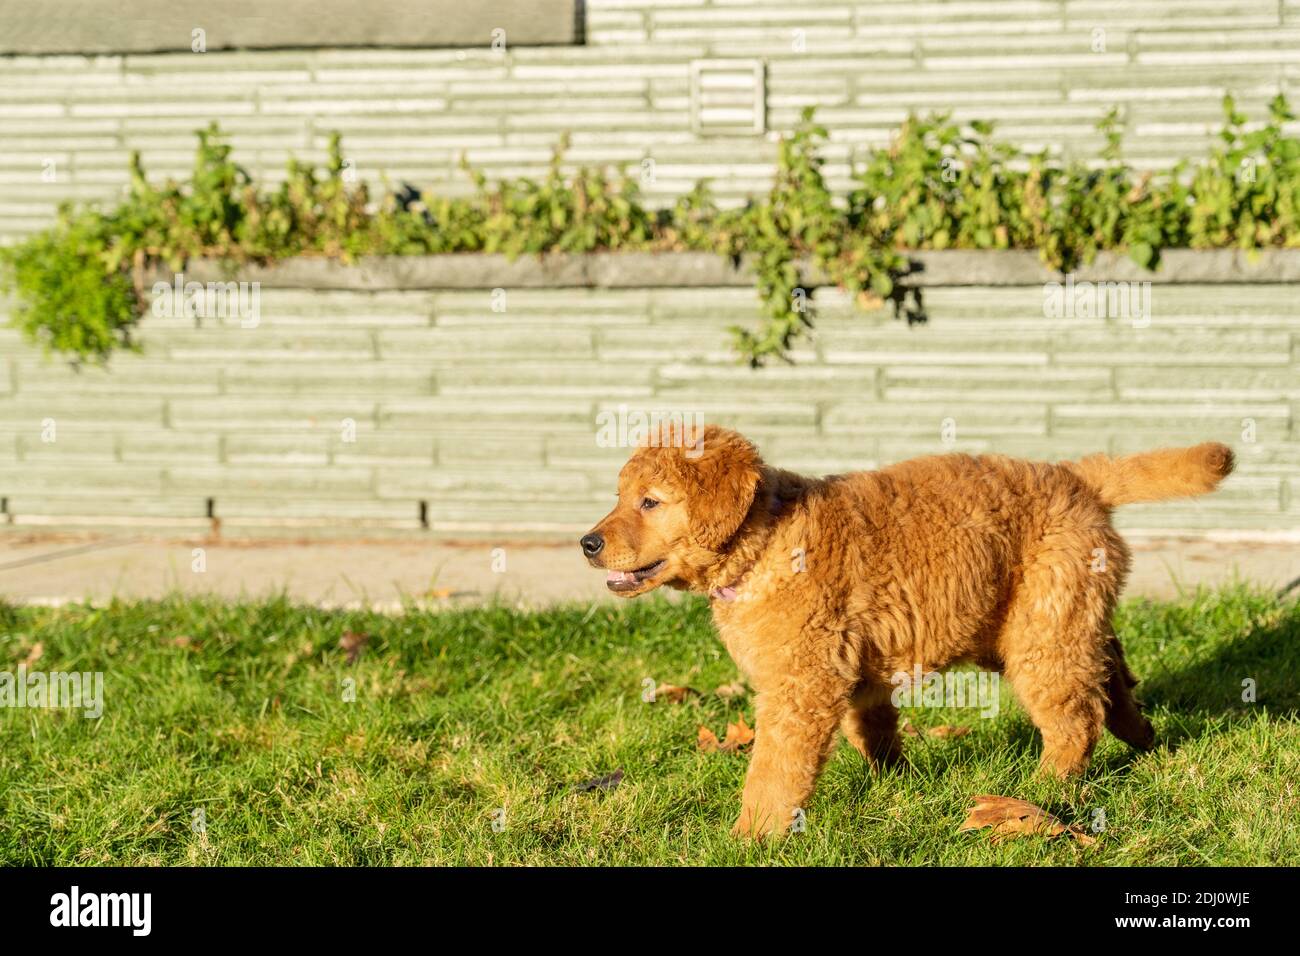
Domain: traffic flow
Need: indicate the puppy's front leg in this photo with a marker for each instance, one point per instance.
(794, 731)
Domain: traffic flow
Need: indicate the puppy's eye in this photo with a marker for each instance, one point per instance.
(648, 503)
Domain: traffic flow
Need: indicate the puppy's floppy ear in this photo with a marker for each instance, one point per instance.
(724, 472)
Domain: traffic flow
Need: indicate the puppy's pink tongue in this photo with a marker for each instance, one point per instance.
(618, 577)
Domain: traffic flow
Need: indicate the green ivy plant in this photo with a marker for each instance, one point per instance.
(70, 300)
(936, 185)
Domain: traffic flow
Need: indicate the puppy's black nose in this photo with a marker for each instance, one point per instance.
(591, 544)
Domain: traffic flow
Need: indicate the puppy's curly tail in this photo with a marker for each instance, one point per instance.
(1155, 475)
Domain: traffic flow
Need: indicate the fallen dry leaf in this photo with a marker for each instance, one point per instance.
(739, 735)
(707, 740)
(608, 782)
(34, 655)
(1011, 818)
(734, 689)
(672, 693)
(944, 730)
(353, 643)
(948, 730)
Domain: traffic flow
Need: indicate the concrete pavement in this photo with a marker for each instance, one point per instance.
(49, 570)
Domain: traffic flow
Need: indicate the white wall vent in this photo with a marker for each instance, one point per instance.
(728, 97)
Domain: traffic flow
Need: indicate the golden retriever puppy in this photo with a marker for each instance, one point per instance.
(824, 589)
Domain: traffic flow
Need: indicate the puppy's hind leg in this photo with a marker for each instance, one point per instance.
(1054, 645)
(1124, 717)
(871, 726)
(1062, 689)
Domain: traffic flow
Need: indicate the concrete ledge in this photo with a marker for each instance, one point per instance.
(160, 26)
(684, 270)
(602, 270)
(959, 267)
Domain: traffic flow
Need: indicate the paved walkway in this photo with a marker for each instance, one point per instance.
(57, 570)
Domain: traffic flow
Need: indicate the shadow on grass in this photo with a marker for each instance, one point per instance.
(1191, 692)
(1206, 692)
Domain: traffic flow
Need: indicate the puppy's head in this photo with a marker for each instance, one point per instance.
(680, 502)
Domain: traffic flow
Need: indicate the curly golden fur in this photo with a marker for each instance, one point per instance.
(822, 589)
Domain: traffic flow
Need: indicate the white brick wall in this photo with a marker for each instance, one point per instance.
(408, 115)
(490, 420)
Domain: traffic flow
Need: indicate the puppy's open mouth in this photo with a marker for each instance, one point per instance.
(627, 580)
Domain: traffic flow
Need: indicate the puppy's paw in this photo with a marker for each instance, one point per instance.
(757, 823)
(886, 756)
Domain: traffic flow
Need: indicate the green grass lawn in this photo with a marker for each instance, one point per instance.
(239, 710)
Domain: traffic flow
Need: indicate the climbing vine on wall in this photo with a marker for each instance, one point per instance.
(936, 185)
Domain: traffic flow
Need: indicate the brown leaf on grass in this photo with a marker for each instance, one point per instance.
(1011, 818)
(739, 735)
(734, 689)
(35, 654)
(948, 730)
(672, 693)
(707, 740)
(944, 730)
(353, 643)
(608, 782)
